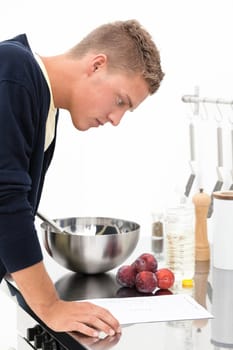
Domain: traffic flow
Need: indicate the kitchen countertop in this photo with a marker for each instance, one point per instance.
(213, 290)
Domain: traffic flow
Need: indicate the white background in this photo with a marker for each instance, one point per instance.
(142, 164)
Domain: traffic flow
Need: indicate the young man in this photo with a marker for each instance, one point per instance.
(111, 71)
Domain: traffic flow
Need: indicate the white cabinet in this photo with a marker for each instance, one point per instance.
(8, 326)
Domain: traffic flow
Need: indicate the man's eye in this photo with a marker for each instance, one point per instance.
(119, 102)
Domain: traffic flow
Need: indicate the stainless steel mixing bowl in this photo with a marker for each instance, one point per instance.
(95, 244)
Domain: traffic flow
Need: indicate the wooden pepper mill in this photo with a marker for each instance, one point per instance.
(201, 202)
(201, 282)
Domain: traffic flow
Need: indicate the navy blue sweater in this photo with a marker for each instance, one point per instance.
(24, 105)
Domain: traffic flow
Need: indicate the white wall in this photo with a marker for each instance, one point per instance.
(132, 169)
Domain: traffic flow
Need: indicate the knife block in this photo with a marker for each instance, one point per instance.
(201, 202)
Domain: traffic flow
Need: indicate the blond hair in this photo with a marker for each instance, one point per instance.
(128, 46)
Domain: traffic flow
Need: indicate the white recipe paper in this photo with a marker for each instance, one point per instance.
(153, 308)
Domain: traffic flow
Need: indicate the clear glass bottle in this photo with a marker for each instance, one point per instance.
(180, 241)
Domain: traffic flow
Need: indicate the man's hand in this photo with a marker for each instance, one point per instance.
(101, 343)
(40, 294)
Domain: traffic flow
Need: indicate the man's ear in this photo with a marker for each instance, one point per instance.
(98, 62)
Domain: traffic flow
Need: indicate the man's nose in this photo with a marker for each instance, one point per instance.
(115, 118)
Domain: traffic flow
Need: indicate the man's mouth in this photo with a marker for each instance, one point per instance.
(99, 122)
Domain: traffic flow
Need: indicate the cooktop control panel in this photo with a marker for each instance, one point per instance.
(39, 338)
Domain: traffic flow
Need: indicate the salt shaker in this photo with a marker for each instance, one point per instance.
(157, 237)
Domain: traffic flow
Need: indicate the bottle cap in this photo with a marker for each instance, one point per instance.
(187, 283)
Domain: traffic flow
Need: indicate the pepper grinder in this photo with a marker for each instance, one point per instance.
(201, 282)
(201, 202)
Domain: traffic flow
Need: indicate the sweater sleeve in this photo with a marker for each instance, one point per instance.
(19, 245)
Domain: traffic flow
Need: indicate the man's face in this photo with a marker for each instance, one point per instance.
(104, 97)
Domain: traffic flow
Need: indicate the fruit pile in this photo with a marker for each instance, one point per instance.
(144, 275)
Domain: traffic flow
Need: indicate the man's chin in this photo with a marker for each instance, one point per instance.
(81, 127)
(85, 127)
